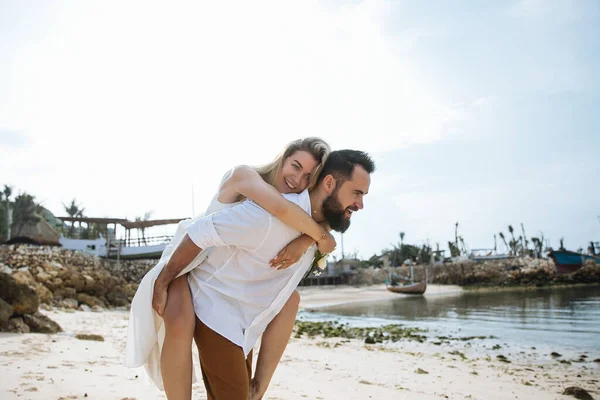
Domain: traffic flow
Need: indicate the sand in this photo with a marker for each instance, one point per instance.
(40, 366)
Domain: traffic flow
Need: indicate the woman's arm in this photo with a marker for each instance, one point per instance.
(248, 183)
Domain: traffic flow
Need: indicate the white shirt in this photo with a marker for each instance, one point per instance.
(235, 291)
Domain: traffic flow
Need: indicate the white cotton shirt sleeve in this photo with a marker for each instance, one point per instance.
(245, 225)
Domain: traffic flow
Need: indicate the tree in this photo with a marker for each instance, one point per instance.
(4, 222)
(503, 240)
(72, 210)
(24, 212)
(402, 239)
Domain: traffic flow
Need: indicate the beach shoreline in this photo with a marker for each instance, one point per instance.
(60, 366)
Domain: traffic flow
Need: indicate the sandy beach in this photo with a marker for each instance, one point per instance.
(61, 366)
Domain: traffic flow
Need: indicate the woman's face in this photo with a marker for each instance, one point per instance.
(296, 172)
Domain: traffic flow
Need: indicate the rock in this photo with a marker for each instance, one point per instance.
(77, 282)
(421, 371)
(5, 269)
(97, 309)
(8, 287)
(16, 325)
(555, 354)
(90, 300)
(52, 265)
(6, 311)
(85, 307)
(87, 336)
(117, 298)
(578, 393)
(43, 277)
(44, 293)
(39, 323)
(369, 340)
(26, 300)
(24, 277)
(56, 283)
(70, 303)
(23, 269)
(65, 293)
(45, 307)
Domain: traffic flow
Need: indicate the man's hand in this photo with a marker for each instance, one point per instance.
(159, 299)
(327, 244)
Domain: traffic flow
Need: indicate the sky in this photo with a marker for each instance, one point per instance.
(482, 113)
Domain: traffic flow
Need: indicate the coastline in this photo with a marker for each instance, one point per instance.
(60, 366)
(314, 297)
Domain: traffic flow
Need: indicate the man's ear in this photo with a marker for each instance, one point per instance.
(329, 184)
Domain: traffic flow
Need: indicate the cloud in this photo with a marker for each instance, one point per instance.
(555, 11)
(12, 139)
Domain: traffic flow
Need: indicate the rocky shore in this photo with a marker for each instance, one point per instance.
(499, 273)
(39, 276)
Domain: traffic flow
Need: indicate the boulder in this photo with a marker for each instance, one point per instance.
(70, 303)
(22, 297)
(16, 325)
(39, 323)
(76, 281)
(6, 311)
(90, 300)
(65, 293)
(117, 298)
(24, 277)
(44, 293)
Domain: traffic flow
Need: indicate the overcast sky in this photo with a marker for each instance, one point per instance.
(484, 113)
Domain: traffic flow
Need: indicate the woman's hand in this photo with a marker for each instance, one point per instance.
(327, 243)
(292, 252)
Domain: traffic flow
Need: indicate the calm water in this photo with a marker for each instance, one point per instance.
(565, 318)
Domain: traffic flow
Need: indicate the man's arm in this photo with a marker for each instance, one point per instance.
(245, 225)
(182, 256)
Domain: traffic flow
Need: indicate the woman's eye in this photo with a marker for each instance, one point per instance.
(297, 168)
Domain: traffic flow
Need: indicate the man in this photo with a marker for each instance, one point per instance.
(235, 292)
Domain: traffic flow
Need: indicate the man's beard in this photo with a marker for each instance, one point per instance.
(335, 214)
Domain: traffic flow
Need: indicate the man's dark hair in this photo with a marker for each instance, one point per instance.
(340, 164)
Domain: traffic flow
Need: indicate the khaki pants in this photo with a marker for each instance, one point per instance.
(225, 370)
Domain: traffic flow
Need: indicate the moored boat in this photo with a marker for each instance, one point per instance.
(567, 262)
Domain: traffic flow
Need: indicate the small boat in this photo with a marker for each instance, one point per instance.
(415, 288)
(411, 288)
(567, 262)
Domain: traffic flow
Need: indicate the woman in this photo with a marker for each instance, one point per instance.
(293, 171)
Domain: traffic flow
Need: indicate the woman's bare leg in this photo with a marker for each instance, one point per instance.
(176, 356)
(274, 340)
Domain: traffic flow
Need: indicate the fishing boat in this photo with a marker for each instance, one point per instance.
(567, 262)
(409, 288)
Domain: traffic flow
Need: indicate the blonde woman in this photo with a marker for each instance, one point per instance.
(164, 344)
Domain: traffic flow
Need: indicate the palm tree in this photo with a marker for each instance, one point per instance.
(456, 234)
(24, 210)
(7, 192)
(503, 239)
(72, 210)
(401, 239)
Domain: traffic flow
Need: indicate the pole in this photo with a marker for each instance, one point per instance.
(10, 214)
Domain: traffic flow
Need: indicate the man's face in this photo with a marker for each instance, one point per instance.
(346, 199)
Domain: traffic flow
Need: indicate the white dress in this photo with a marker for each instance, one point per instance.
(146, 331)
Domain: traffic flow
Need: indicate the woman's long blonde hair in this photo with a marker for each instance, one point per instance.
(317, 147)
